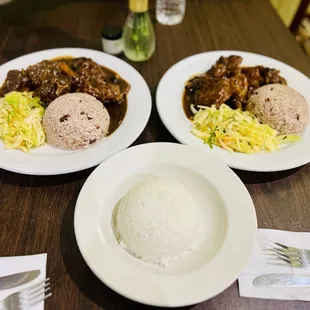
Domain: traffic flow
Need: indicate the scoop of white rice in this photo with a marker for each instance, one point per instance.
(75, 121)
(281, 107)
(157, 221)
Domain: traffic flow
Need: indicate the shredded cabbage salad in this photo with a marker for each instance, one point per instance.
(21, 121)
(236, 130)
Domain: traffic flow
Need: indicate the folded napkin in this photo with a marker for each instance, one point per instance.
(11, 265)
(258, 266)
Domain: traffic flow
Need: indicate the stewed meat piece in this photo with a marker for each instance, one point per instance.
(225, 66)
(253, 76)
(271, 76)
(42, 72)
(239, 85)
(95, 80)
(16, 80)
(208, 90)
(51, 89)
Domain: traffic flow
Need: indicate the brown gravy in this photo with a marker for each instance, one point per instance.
(188, 100)
(117, 114)
(117, 111)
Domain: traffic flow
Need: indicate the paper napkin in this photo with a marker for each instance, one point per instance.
(11, 265)
(259, 264)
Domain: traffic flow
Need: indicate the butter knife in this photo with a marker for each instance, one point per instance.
(18, 279)
(282, 280)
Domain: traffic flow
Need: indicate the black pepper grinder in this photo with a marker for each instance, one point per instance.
(111, 38)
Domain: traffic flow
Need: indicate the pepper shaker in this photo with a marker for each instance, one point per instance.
(111, 38)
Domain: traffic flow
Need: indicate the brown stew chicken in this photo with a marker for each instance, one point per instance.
(50, 79)
(227, 82)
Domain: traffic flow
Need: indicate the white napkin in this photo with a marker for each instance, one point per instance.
(11, 265)
(258, 266)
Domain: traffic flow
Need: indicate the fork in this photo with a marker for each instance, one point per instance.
(27, 297)
(297, 258)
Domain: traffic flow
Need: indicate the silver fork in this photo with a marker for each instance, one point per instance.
(27, 297)
(297, 258)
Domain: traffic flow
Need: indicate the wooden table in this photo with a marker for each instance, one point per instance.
(36, 213)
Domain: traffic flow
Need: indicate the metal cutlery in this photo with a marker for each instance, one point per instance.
(18, 279)
(281, 280)
(27, 297)
(297, 258)
(294, 257)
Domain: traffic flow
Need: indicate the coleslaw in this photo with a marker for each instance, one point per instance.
(236, 130)
(21, 121)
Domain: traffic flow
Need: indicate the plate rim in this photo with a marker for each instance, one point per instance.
(32, 170)
(247, 201)
(182, 140)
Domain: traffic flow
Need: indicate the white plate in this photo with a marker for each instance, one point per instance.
(48, 160)
(169, 105)
(226, 210)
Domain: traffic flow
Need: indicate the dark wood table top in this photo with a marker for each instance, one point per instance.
(36, 213)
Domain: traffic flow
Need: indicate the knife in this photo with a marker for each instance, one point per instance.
(17, 279)
(282, 280)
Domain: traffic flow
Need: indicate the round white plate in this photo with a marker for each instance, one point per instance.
(169, 105)
(47, 160)
(227, 214)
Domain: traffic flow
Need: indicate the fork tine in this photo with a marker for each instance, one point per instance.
(35, 294)
(293, 260)
(292, 257)
(287, 247)
(285, 260)
(35, 286)
(276, 261)
(282, 252)
(289, 257)
(35, 291)
(286, 254)
(38, 288)
(38, 296)
(39, 293)
(37, 301)
(293, 263)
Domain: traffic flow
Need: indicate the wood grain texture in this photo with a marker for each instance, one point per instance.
(36, 213)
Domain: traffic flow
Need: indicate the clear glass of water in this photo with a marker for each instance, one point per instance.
(170, 12)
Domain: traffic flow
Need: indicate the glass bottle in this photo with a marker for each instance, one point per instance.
(138, 33)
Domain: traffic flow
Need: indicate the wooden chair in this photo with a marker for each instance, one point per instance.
(301, 12)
